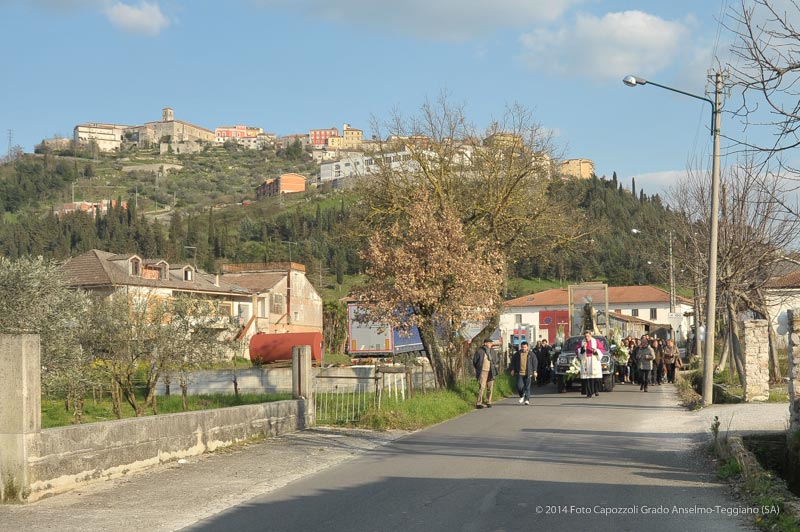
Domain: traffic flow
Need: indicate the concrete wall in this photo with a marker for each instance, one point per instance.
(35, 463)
(268, 379)
(20, 411)
(64, 458)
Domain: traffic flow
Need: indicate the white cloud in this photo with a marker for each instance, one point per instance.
(146, 18)
(656, 182)
(608, 47)
(440, 20)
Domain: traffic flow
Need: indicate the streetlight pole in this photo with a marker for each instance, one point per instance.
(711, 293)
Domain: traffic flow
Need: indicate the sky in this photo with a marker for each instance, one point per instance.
(293, 65)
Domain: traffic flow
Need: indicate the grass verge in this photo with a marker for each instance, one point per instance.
(761, 489)
(54, 413)
(425, 409)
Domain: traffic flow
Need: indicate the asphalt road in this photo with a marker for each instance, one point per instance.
(622, 461)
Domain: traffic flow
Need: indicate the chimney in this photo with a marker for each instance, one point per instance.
(216, 279)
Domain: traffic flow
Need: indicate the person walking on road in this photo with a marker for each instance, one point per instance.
(672, 359)
(523, 365)
(590, 354)
(485, 362)
(645, 356)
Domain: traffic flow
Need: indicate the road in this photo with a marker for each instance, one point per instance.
(625, 460)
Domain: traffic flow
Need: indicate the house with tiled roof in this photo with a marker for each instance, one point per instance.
(632, 309)
(108, 273)
(273, 298)
(286, 300)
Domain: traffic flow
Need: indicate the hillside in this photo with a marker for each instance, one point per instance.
(193, 208)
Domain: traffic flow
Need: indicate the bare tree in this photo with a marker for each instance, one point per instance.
(765, 77)
(754, 234)
(481, 196)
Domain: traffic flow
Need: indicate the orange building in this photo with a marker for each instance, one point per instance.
(284, 184)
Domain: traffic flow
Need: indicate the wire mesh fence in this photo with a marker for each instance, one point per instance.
(344, 399)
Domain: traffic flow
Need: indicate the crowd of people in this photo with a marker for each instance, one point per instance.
(646, 361)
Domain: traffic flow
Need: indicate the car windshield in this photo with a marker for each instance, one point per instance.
(571, 344)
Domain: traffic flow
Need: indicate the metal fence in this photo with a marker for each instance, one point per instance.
(344, 399)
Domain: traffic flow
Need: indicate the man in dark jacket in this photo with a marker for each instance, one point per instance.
(523, 365)
(485, 362)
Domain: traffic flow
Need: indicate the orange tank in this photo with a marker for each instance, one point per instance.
(266, 348)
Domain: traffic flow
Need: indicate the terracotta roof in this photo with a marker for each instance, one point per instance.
(616, 295)
(257, 282)
(629, 319)
(791, 280)
(96, 269)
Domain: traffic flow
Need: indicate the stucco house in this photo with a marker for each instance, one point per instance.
(270, 298)
(632, 309)
(782, 294)
(285, 300)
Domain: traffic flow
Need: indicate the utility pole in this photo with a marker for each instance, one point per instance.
(290, 244)
(671, 277)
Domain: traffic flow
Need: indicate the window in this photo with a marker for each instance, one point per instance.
(187, 274)
(653, 313)
(635, 312)
(135, 267)
(244, 312)
(518, 319)
(277, 304)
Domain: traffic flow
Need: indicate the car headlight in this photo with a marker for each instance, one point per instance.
(562, 360)
(605, 359)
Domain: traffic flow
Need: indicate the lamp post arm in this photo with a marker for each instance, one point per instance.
(707, 100)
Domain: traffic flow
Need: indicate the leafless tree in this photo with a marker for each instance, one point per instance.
(765, 77)
(484, 202)
(754, 235)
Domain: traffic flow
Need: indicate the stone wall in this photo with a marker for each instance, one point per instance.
(794, 369)
(756, 360)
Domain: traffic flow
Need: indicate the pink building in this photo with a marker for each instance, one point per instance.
(319, 137)
(224, 133)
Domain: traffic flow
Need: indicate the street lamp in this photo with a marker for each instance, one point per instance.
(711, 292)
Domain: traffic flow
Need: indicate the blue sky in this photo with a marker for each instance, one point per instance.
(292, 65)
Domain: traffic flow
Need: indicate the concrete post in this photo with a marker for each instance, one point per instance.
(794, 369)
(20, 411)
(756, 360)
(301, 372)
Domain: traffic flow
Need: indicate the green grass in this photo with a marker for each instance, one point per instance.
(518, 287)
(333, 292)
(729, 469)
(336, 359)
(54, 413)
(430, 408)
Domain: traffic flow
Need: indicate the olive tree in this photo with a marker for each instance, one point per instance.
(35, 298)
